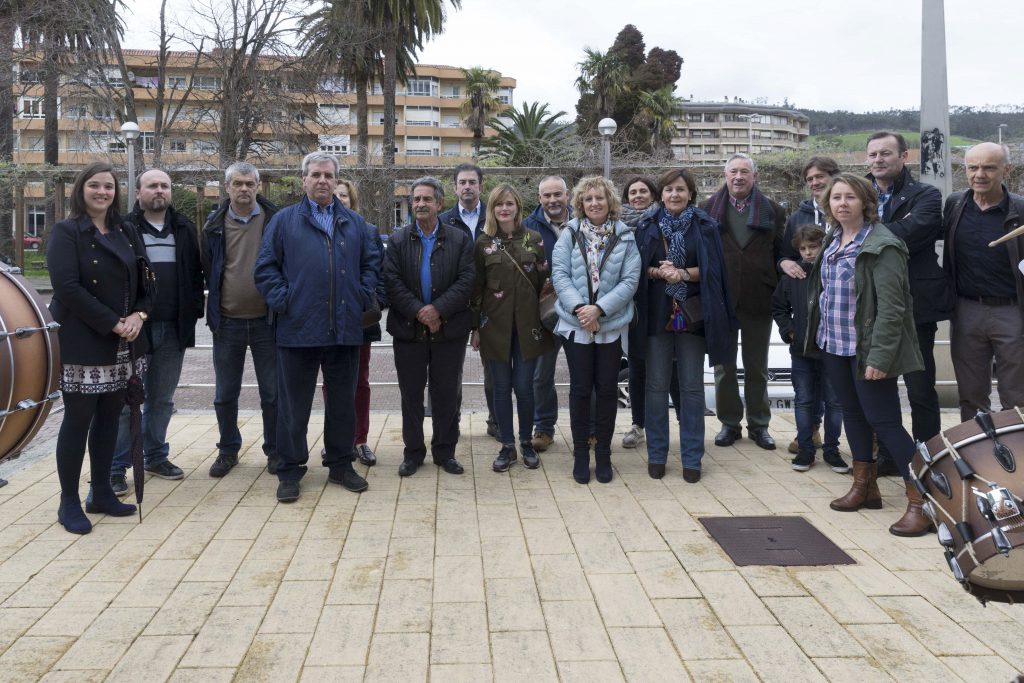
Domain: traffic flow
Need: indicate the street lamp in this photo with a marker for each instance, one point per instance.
(607, 127)
(749, 118)
(1000, 129)
(130, 132)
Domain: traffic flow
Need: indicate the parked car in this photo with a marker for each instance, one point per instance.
(31, 242)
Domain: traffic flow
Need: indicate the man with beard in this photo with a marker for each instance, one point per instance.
(428, 274)
(173, 251)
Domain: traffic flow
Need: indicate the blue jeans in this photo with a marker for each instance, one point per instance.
(515, 373)
(545, 395)
(161, 379)
(812, 388)
(230, 341)
(688, 352)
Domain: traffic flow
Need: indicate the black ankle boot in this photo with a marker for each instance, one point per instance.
(104, 502)
(603, 468)
(71, 516)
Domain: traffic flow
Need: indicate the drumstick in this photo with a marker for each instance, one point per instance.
(1008, 236)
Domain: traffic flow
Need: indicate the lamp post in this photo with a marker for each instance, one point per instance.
(607, 127)
(130, 132)
(749, 118)
(1000, 129)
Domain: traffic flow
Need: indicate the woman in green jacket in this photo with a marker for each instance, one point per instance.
(511, 268)
(860, 314)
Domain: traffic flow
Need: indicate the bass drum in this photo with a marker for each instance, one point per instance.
(29, 362)
(972, 480)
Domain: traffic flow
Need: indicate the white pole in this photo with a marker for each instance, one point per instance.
(936, 167)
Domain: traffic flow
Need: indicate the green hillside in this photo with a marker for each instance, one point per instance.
(856, 142)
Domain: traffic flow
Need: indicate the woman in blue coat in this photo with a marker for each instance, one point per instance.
(682, 260)
(595, 268)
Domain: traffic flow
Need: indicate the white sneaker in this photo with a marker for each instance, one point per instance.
(633, 438)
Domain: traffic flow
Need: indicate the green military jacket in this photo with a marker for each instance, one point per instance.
(505, 298)
(884, 316)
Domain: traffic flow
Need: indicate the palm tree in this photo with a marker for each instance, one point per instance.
(656, 112)
(338, 39)
(481, 102)
(532, 136)
(603, 75)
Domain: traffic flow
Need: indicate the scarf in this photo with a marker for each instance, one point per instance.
(673, 229)
(596, 239)
(760, 208)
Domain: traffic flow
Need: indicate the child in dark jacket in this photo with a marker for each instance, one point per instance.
(789, 308)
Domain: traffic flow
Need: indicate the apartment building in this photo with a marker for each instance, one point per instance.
(711, 132)
(301, 116)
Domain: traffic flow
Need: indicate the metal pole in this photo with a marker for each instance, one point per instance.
(131, 175)
(607, 156)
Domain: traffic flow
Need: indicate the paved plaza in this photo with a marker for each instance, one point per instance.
(524, 576)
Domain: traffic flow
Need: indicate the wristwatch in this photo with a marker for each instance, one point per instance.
(143, 316)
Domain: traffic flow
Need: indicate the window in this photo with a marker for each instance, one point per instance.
(116, 145)
(177, 82)
(452, 121)
(335, 144)
(696, 150)
(148, 142)
(76, 111)
(421, 146)
(30, 77)
(694, 118)
(710, 118)
(335, 85)
(399, 213)
(206, 147)
(31, 142)
(452, 149)
(505, 96)
(35, 219)
(103, 113)
(78, 142)
(206, 82)
(176, 145)
(421, 116)
(31, 108)
(335, 114)
(422, 87)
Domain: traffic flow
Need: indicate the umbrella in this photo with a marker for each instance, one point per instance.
(134, 396)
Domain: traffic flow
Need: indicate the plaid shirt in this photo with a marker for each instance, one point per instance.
(837, 333)
(883, 198)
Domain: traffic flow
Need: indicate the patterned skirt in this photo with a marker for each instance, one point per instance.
(101, 379)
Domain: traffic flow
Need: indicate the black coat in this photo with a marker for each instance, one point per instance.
(804, 215)
(914, 214)
(89, 284)
(191, 299)
(452, 273)
(789, 308)
(452, 218)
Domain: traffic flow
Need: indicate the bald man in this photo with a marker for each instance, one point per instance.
(173, 251)
(988, 322)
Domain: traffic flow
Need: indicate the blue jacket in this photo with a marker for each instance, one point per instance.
(619, 278)
(317, 285)
(720, 323)
(211, 252)
(539, 223)
(453, 218)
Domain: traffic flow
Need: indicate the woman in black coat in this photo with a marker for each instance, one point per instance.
(97, 265)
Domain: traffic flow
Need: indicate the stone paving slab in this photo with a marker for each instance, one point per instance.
(524, 576)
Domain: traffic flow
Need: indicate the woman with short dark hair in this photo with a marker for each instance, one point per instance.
(685, 313)
(860, 315)
(99, 270)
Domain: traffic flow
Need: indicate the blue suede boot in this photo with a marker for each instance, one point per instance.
(71, 516)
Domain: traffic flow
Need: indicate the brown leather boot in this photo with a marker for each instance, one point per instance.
(864, 492)
(913, 522)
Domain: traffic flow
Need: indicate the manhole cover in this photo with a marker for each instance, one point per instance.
(778, 541)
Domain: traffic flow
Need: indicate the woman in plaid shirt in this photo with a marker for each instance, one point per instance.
(860, 315)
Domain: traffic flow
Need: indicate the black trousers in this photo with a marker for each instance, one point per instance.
(441, 364)
(924, 399)
(88, 418)
(297, 370)
(869, 406)
(593, 369)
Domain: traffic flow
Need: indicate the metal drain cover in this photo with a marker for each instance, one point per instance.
(777, 541)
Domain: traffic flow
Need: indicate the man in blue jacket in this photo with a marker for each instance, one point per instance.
(317, 252)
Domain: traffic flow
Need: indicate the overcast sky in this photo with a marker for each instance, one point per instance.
(824, 54)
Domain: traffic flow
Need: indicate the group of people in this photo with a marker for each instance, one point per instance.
(852, 280)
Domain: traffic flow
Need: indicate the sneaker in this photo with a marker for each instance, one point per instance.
(530, 458)
(223, 464)
(288, 491)
(506, 456)
(803, 461)
(542, 441)
(166, 470)
(634, 437)
(118, 482)
(348, 478)
(836, 462)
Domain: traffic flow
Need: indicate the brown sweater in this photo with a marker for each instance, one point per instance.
(239, 297)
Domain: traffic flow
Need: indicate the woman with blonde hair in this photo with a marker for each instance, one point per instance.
(595, 268)
(510, 271)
